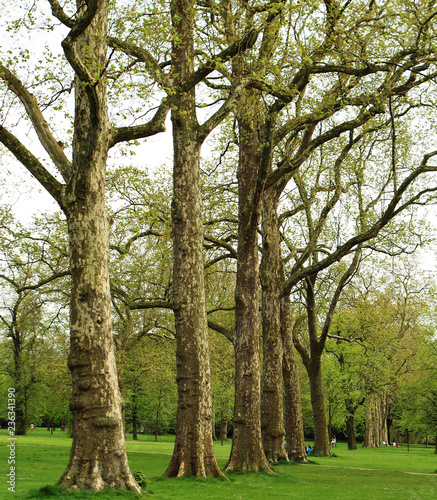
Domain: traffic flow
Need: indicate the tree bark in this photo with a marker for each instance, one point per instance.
(224, 428)
(193, 453)
(350, 425)
(322, 446)
(272, 407)
(293, 403)
(313, 365)
(383, 412)
(371, 436)
(247, 453)
(98, 456)
(351, 440)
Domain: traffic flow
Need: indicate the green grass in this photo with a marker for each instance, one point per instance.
(381, 473)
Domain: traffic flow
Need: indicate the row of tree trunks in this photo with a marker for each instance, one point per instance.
(376, 430)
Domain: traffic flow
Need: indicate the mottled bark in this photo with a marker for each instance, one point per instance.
(272, 407)
(293, 403)
(370, 438)
(98, 457)
(247, 453)
(376, 421)
(193, 453)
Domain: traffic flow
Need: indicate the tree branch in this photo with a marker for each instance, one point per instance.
(154, 126)
(59, 13)
(222, 244)
(83, 20)
(153, 67)
(44, 281)
(39, 123)
(391, 211)
(217, 327)
(26, 158)
(123, 250)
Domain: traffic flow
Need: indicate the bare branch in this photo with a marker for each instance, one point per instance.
(154, 126)
(35, 167)
(39, 123)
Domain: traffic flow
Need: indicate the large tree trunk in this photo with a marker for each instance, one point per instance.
(272, 407)
(193, 453)
(293, 403)
(247, 453)
(98, 457)
(371, 436)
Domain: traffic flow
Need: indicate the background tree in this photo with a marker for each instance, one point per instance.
(31, 308)
(375, 337)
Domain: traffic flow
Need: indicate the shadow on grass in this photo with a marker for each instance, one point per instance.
(56, 492)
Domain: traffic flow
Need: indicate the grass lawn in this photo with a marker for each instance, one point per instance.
(381, 473)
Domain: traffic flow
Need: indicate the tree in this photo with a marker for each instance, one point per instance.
(317, 118)
(98, 458)
(375, 337)
(312, 356)
(31, 307)
(193, 450)
(193, 453)
(248, 452)
(149, 385)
